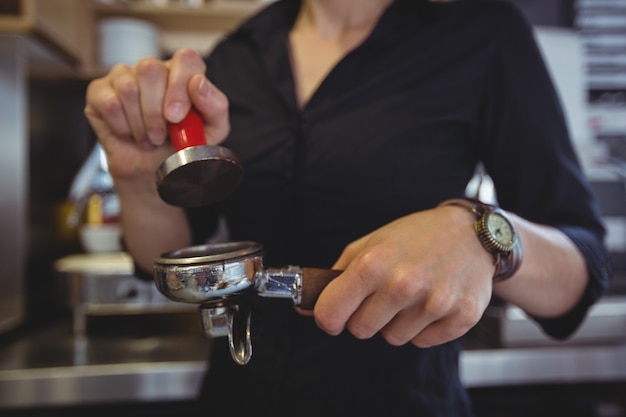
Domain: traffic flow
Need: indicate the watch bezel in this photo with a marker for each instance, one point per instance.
(506, 261)
(489, 241)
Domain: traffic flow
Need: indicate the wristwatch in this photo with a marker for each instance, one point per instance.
(496, 233)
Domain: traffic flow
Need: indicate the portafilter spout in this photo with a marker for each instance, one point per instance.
(215, 275)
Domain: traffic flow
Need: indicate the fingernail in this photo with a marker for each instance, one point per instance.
(175, 112)
(157, 136)
(204, 88)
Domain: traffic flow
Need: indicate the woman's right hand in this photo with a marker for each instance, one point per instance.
(130, 107)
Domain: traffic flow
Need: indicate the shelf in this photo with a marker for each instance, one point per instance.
(213, 17)
(198, 28)
(63, 40)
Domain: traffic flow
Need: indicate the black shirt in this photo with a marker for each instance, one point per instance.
(398, 126)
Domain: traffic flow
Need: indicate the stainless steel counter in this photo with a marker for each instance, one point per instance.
(98, 384)
(53, 367)
(497, 367)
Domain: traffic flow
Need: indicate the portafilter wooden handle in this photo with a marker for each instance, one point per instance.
(314, 280)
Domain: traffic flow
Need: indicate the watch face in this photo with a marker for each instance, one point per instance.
(501, 230)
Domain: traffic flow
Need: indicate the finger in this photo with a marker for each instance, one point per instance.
(152, 76)
(343, 296)
(184, 64)
(126, 88)
(456, 319)
(428, 322)
(307, 313)
(106, 110)
(372, 315)
(332, 309)
(396, 308)
(212, 105)
(404, 327)
(438, 333)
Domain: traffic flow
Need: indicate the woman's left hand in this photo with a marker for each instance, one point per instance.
(424, 279)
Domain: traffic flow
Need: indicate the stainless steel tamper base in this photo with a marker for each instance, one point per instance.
(199, 175)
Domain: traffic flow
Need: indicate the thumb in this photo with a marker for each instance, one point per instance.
(212, 104)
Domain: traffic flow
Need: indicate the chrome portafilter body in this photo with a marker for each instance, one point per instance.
(214, 275)
(217, 276)
(204, 273)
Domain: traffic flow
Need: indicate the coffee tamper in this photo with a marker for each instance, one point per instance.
(219, 276)
(196, 174)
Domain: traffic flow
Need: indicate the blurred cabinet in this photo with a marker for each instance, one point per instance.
(36, 37)
(13, 181)
(58, 33)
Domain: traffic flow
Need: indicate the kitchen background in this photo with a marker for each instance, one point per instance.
(78, 331)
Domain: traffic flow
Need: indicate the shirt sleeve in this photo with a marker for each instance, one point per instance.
(527, 152)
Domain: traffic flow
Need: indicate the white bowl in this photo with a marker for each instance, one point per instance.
(101, 238)
(126, 40)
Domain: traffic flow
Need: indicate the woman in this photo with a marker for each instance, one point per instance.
(355, 120)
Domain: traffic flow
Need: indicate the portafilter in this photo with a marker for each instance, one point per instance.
(216, 276)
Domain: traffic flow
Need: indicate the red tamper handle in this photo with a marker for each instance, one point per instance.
(188, 132)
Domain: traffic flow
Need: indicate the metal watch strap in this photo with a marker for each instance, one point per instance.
(506, 263)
